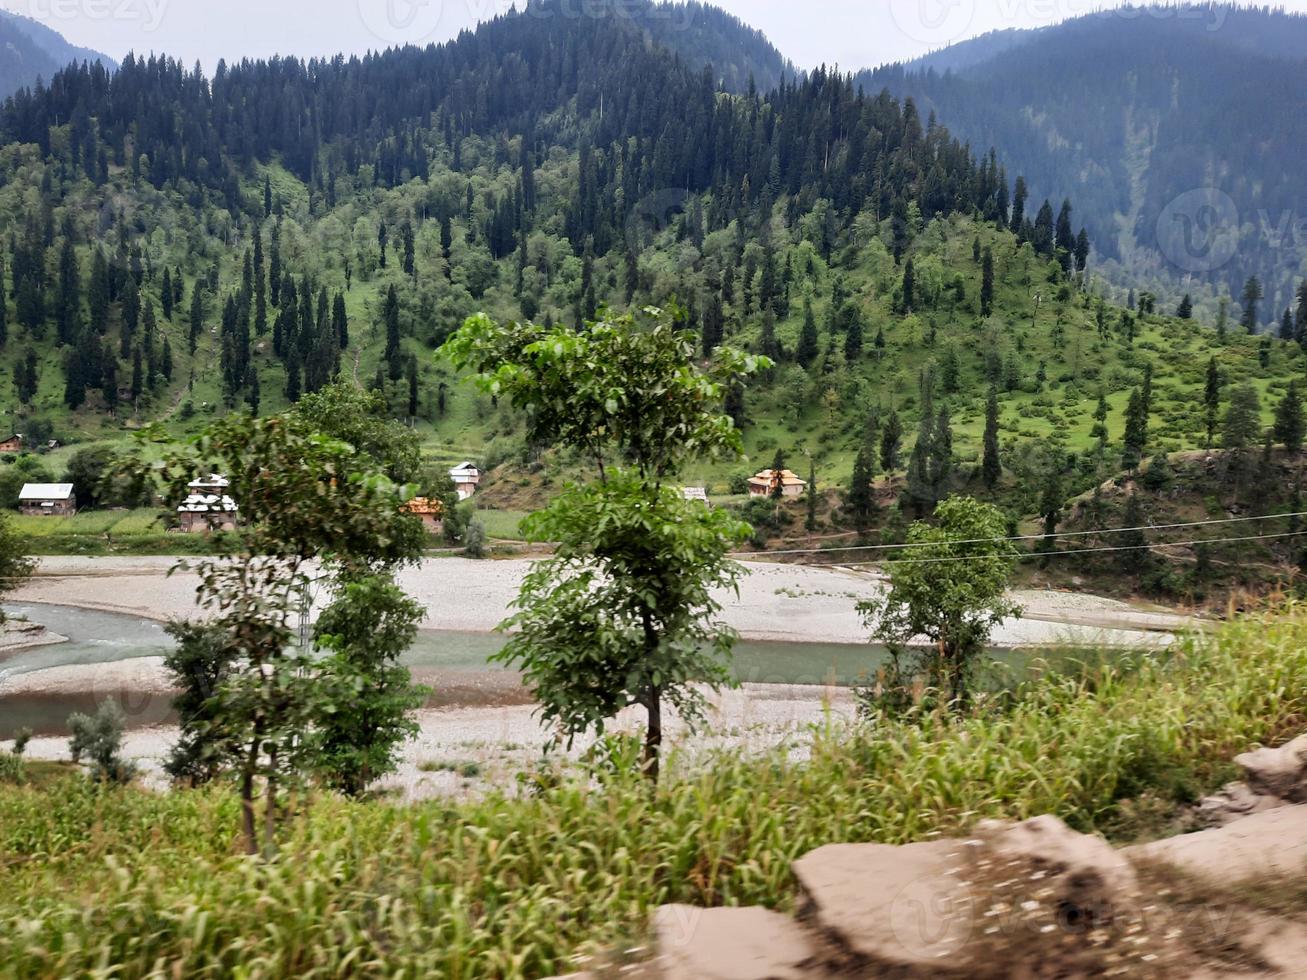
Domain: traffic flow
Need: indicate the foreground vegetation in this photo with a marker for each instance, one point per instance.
(522, 884)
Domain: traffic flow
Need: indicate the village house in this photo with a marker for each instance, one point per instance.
(208, 508)
(765, 483)
(695, 493)
(432, 513)
(13, 444)
(466, 479)
(47, 500)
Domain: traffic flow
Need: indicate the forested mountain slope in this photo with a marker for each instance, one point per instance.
(1167, 126)
(30, 51)
(183, 249)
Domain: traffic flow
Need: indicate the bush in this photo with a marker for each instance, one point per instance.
(474, 539)
(21, 738)
(99, 738)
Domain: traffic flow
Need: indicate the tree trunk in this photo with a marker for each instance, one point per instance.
(653, 736)
(247, 795)
(270, 808)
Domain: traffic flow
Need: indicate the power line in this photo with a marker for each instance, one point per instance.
(1026, 556)
(1021, 537)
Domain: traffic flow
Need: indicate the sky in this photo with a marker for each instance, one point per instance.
(850, 33)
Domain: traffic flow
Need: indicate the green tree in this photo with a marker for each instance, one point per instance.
(859, 503)
(1136, 431)
(951, 590)
(347, 412)
(314, 510)
(991, 466)
(811, 522)
(1212, 400)
(891, 442)
(1243, 419)
(368, 625)
(16, 566)
(1099, 431)
(202, 660)
(624, 612)
(1252, 295)
(1289, 424)
(987, 284)
(806, 351)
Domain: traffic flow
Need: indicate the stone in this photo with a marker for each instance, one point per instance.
(1272, 844)
(1280, 773)
(1234, 802)
(730, 944)
(1086, 874)
(896, 907)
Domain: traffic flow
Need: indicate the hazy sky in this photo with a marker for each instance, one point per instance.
(851, 33)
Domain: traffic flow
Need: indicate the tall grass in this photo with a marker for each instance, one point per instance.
(135, 884)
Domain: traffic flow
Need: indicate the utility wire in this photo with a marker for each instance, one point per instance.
(1022, 537)
(1026, 556)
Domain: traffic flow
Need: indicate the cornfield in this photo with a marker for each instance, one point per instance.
(131, 884)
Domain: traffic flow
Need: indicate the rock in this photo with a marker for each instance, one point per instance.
(1088, 877)
(1279, 773)
(1267, 845)
(1234, 802)
(730, 944)
(896, 907)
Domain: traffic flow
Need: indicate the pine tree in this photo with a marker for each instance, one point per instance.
(891, 441)
(166, 294)
(390, 316)
(1136, 431)
(1289, 423)
(991, 466)
(811, 523)
(412, 387)
(853, 334)
(253, 397)
(197, 316)
(1050, 506)
(293, 377)
(909, 287)
(1099, 431)
(165, 360)
(807, 351)
(1252, 295)
(1243, 419)
(859, 501)
(138, 376)
(987, 284)
(340, 321)
(1212, 400)
(1286, 325)
(1134, 556)
(1185, 310)
(1019, 206)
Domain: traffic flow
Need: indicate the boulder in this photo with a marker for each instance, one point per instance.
(921, 908)
(904, 908)
(1087, 877)
(1278, 773)
(730, 944)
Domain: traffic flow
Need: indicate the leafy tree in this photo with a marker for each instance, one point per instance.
(312, 509)
(1289, 422)
(344, 411)
(623, 613)
(99, 737)
(474, 539)
(15, 565)
(951, 590)
(1134, 556)
(364, 630)
(202, 660)
(991, 466)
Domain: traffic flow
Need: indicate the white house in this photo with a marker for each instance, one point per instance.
(47, 499)
(695, 493)
(208, 507)
(466, 479)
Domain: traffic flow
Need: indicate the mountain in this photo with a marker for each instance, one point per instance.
(1178, 132)
(705, 35)
(184, 247)
(29, 50)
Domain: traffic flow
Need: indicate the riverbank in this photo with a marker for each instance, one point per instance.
(786, 603)
(17, 634)
(465, 751)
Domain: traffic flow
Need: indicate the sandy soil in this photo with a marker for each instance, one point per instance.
(466, 751)
(790, 603)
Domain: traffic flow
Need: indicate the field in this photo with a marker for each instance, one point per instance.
(106, 532)
(529, 884)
